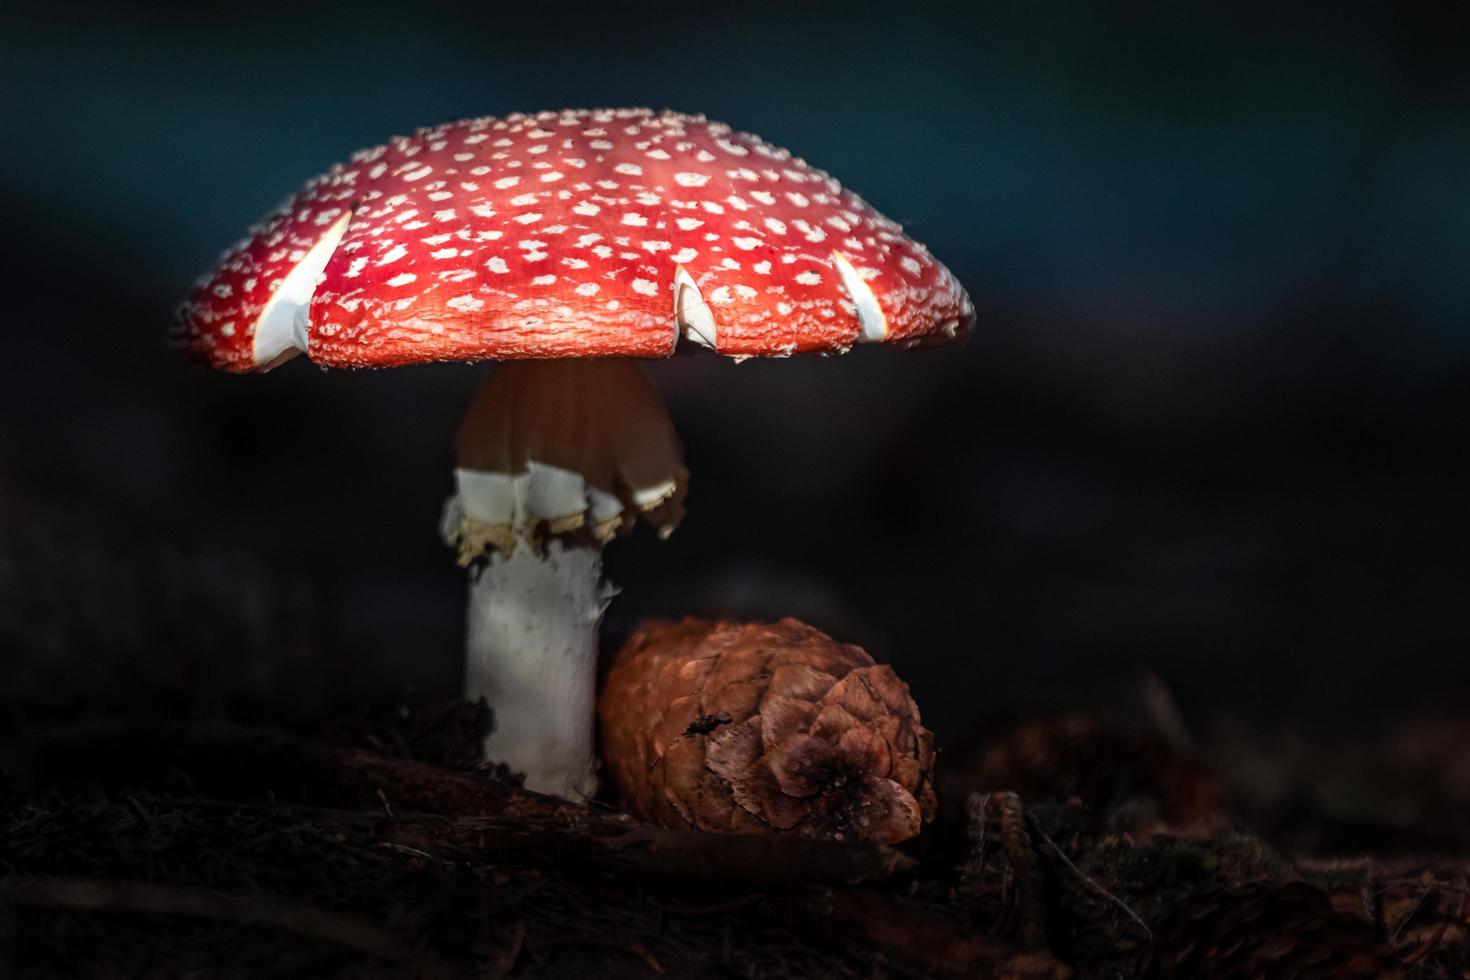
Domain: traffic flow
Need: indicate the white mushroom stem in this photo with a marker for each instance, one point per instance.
(532, 649)
(555, 459)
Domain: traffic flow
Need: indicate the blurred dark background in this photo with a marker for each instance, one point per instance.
(1213, 422)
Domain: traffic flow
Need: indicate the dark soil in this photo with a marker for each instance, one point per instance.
(1067, 847)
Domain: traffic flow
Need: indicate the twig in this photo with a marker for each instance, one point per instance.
(977, 823)
(571, 836)
(1428, 881)
(1163, 710)
(410, 851)
(720, 908)
(1089, 882)
(632, 949)
(96, 895)
(1022, 857)
(935, 945)
(244, 763)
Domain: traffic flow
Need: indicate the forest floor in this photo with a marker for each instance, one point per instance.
(1066, 846)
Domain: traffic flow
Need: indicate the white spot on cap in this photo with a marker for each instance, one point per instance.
(810, 232)
(402, 279)
(466, 303)
(645, 287)
(691, 180)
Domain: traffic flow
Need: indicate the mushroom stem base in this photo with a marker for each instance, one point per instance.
(532, 645)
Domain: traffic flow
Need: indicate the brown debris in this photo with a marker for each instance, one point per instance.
(439, 813)
(764, 728)
(906, 933)
(1421, 911)
(1285, 932)
(88, 894)
(236, 892)
(1131, 781)
(1426, 913)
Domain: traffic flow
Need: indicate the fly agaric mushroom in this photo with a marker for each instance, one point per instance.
(582, 234)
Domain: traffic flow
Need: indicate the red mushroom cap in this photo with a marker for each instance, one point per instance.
(582, 233)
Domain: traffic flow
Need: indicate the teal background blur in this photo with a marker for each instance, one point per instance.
(1213, 421)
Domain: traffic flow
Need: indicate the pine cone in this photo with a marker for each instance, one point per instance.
(764, 728)
(1287, 932)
